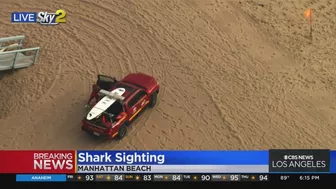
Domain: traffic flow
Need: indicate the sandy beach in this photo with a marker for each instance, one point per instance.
(234, 74)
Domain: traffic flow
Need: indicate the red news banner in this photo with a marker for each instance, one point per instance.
(60, 161)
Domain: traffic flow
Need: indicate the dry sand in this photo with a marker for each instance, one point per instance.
(234, 75)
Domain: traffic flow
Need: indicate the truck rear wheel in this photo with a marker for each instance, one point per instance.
(122, 132)
(2, 74)
(153, 100)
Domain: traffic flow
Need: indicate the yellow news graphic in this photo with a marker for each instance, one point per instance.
(61, 16)
(46, 18)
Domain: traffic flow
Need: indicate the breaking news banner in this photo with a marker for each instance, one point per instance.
(60, 161)
(172, 161)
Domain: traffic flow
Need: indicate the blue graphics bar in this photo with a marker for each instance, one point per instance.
(41, 178)
(257, 161)
(332, 161)
(172, 157)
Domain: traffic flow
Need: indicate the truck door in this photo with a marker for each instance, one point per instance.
(136, 104)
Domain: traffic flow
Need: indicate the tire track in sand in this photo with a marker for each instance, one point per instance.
(214, 46)
(173, 45)
(78, 69)
(313, 117)
(108, 40)
(144, 118)
(141, 121)
(176, 45)
(101, 27)
(77, 42)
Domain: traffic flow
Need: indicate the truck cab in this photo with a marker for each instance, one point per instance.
(136, 103)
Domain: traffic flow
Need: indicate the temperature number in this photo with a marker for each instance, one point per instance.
(147, 177)
(89, 177)
(118, 177)
(205, 177)
(234, 177)
(263, 178)
(176, 177)
(284, 177)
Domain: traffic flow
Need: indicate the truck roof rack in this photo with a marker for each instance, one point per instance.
(111, 95)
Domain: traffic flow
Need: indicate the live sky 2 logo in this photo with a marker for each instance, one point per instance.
(44, 18)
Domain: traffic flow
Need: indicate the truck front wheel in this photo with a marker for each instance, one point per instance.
(122, 132)
(153, 100)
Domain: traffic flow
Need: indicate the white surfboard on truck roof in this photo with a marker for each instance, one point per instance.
(105, 102)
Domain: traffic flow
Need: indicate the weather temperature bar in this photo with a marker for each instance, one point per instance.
(167, 177)
(199, 177)
(178, 177)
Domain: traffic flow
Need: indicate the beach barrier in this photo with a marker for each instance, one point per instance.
(13, 56)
